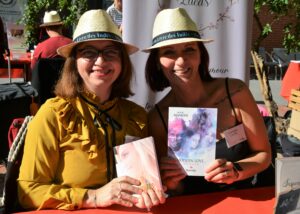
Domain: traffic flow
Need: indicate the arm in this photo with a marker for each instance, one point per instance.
(257, 138)
(38, 186)
(50, 176)
(170, 169)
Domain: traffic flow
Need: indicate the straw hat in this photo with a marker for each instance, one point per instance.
(95, 25)
(174, 26)
(51, 18)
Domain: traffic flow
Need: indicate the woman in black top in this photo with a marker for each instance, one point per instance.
(179, 59)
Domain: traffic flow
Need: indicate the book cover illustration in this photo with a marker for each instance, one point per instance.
(138, 160)
(287, 187)
(192, 137)
(287, 177)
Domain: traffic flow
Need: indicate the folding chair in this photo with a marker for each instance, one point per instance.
(283, 59)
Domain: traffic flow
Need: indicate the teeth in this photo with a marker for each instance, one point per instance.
(181, 70)
(104, 72)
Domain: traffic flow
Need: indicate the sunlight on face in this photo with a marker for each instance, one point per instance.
(181, 60)
(99, 64)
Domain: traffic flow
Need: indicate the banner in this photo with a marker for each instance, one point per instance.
(227, 22)
(12, 10)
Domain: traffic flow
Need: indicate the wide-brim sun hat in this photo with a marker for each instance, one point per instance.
(51, 18)
(95, 25)
(174, 26)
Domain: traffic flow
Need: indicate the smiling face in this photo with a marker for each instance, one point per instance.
(98, 70)
(180, 62)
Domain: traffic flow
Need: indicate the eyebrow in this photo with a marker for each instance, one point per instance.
(93, 47)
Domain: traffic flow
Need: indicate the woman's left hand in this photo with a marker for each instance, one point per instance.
(151, 197)
(171, 172)
(221, 171)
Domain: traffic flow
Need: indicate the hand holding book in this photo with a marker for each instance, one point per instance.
(138, 160)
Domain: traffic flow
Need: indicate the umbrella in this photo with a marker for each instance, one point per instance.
(291, 79)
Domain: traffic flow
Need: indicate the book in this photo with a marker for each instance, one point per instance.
(192, 137)
(138, 160)
(287, 185)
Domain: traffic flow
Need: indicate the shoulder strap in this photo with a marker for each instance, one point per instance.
(161, 117)
(229, 98)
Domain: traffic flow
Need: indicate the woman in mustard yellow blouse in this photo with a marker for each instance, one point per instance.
(68, 156)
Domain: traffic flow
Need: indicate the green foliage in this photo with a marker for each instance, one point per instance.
(35, 10)
(278, 9)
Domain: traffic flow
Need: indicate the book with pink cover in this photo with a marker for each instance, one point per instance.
(192, 137)
(138, 159)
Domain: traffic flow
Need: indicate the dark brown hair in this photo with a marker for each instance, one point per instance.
(70, 83)
(155, 77)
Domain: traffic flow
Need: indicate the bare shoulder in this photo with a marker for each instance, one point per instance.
(241, 94)
(238, 88)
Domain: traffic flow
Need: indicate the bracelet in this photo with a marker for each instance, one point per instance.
(237, 168)
(95, 199)
(236, 173)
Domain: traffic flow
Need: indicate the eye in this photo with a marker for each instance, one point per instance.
(168, 52)
(189, 50)
(89, 53)
(124, 154)
(111, 52)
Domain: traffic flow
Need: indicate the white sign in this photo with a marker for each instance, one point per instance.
(227, 22)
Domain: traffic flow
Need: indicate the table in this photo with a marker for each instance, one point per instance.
(291, 79)
(23, 62)
(256, 200)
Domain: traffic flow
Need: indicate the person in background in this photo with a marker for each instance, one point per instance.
(54, 28)
(68, 160)
(180, 61)
(115, 12)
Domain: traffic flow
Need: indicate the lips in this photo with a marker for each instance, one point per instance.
(181, 71)
(103, 72)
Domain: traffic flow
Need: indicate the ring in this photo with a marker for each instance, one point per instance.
(119, 195)
(226, 173)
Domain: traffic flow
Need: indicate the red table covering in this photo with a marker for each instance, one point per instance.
(247, 201)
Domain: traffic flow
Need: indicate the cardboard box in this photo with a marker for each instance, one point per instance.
(294, 102)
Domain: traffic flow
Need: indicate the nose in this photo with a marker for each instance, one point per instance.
(180, 60)
(100, 59)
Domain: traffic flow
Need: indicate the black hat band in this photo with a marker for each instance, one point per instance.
(97, 35)
(175, 35)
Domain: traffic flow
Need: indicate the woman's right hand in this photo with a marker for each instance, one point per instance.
(171, 172)
(118, 191)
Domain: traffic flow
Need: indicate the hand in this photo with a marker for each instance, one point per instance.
(151, 197)
(221, 171)
(171, 172)
(119, 191)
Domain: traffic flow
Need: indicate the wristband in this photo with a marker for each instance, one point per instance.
(237, 166)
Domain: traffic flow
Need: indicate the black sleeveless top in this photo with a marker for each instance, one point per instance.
(197, 184)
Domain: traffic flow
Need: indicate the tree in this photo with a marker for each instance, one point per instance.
(279, 9)
(35, 9)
